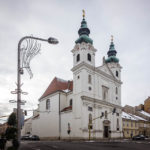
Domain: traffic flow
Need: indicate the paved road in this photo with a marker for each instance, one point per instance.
(61, 145)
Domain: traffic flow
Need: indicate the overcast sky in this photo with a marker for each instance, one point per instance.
(127, 20)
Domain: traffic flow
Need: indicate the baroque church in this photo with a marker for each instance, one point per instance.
(89, 106)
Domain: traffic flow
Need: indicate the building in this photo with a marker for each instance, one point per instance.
(147, 105)
(27, 128)
(130, 125)
(90, 103)
(142, 118)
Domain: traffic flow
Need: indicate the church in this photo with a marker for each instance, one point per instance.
(89, 106)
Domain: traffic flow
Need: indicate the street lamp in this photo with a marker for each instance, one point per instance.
(25, 54)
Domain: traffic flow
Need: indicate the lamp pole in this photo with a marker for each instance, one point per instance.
(19, 72)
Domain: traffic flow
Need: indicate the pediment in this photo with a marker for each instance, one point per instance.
(105, 69)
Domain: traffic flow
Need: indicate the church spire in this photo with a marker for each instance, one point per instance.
(112, 53)
(84, 32)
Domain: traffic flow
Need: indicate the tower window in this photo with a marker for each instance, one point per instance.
(89, 57)
(70, 103)
(116, 90)
(47, 104)
(78, 57)
(89, 79)
(117, 74)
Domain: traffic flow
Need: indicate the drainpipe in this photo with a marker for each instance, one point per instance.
(59, 119)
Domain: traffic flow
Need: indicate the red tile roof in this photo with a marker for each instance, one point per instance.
(67, 108)
(58, 85)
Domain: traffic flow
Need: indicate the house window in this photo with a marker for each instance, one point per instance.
(89, 79)
(105, 114)
(123, 123)
(78, 77)
(89, 57)
(78, 57)
(117, 74)
(117, 124)
(70, 103)
(47, 104)
(104, 93)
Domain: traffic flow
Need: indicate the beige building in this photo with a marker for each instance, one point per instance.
(130, 125)
(138, 117)
(147, 105)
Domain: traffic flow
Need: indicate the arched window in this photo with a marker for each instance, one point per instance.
(47, 104)
(105, 114)
(70, 102)
(117, 124)
(89, 57)
(90, 126)
(78, 57)
(89, 79)
(117, 74)
(116, 90)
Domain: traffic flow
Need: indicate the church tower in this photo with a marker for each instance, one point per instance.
(113, 61)
(83, 66)
(84, 51)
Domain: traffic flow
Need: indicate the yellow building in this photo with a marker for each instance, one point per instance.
(134, 125)
(130, 125)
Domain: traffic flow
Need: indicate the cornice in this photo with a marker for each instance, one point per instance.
(90, 99)
(84, 64)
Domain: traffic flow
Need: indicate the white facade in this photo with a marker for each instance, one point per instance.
(96, 91)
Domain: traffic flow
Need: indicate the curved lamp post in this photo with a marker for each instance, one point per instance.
(25, 54)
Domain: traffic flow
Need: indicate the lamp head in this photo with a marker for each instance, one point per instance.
(52, 40)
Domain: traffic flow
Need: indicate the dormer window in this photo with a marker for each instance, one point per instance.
(117, 74)
(89, 57)
(78, 57)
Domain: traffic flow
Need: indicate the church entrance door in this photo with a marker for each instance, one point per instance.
(106, 132)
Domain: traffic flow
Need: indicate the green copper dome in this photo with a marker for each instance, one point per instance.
(112, 59)
(84, 33)
(112, 53)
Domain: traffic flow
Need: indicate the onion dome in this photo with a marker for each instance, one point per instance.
(84, 32)
(112, 53)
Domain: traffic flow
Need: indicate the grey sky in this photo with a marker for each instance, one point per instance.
(127, 20)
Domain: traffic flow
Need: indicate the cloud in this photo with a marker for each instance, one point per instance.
(127, 20)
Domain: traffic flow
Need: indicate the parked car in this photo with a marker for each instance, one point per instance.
(138, 137)
(25, 137)
(34, 138)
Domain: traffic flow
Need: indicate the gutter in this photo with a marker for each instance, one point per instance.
(59, 119)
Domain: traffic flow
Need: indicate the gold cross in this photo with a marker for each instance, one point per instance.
(112, 38)
(83, 13)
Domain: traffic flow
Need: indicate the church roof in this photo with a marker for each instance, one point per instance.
(58, 84)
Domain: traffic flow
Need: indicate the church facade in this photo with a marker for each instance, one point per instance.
(89, 106)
